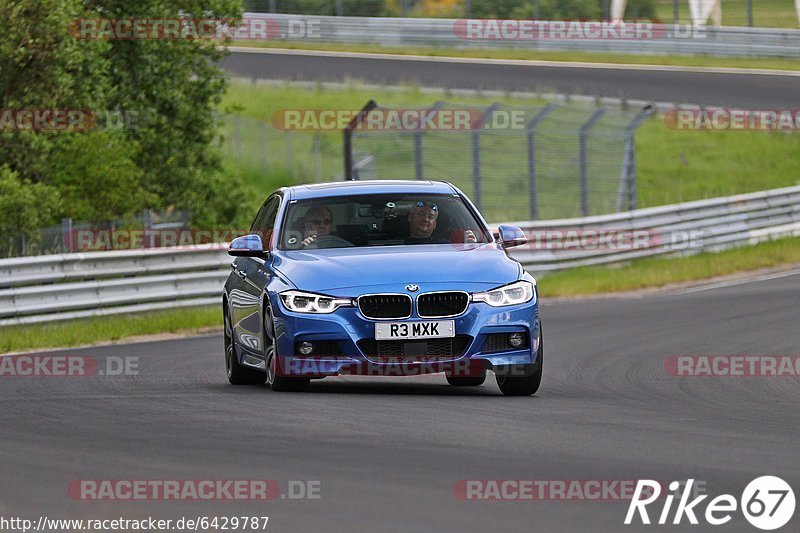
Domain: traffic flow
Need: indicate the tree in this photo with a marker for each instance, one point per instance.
(168, 158)
(24, 208)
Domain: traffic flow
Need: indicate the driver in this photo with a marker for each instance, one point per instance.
(317, 225)
(317, 222)
(422, 221)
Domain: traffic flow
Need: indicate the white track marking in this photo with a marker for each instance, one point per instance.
(744, 281)
(515, 62)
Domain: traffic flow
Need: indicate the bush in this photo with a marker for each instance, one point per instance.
(640, 9)
(24, 208)
(97, 177)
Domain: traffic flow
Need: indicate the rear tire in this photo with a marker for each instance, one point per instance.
(526, 385)
(237, 373)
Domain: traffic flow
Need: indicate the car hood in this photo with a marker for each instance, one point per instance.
(341, 268)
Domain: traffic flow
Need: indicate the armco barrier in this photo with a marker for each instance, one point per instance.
(666, 39)
(65, 286)
(687, 228)
(57, 287)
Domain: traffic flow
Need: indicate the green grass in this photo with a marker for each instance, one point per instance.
(108, 328)
(657, 272)
(672, 165)
(546, 55)
(680, 166)
(766, 13)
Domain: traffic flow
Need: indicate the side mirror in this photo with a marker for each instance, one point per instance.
(511, 236)
(248, 246)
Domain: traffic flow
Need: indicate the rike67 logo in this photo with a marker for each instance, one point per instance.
(767, 503)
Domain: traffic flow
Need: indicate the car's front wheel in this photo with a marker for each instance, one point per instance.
(275, 380)
(527, 383)
(237, 374)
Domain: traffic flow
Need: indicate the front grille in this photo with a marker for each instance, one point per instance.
(385, 305)
(498, 342)
(410, 351)
(441, 304)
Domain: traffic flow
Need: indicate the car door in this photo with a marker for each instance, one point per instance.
(253, 274)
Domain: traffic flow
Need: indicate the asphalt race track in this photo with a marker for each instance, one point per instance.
(388, 451)
(729, 87)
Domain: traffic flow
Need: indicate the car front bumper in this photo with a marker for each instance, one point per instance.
(343, 332)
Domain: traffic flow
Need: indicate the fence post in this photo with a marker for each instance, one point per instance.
(584, 159)
(66, 234)
(530, 131)
(477, 192)
(626, 193)
(347, 138)
(476, 169)
(317, 157)
(289, 163)
(147, 224)
(418, 161)
(272, 6)
(339, 8)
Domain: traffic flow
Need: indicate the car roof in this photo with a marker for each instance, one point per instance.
(358, 187)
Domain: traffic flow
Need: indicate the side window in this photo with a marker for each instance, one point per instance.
(265, 220)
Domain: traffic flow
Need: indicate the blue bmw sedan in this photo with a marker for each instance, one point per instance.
(382, 277)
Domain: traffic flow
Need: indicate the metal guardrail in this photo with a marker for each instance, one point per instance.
(682, 229)
(664, 39)
(66, 286)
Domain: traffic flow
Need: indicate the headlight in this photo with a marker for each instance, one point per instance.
(306, 302)
(515, 293)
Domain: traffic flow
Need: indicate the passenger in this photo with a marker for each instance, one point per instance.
(422, 221)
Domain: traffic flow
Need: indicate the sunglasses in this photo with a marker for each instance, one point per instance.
(427, 204)
(320, 221)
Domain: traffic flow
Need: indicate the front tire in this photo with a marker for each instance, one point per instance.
(525, 385)
(237, 374)
(274, 380)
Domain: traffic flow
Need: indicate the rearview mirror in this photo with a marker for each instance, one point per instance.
(248, 246)
(511, 236)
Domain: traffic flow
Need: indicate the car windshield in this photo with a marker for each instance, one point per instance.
(380, 220)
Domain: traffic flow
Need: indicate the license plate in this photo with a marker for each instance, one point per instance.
(415, 330)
